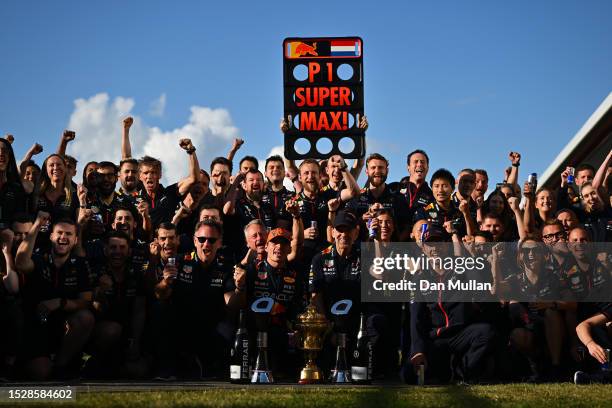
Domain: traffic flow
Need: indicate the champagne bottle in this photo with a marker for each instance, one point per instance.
(262, 373)
(361, 368)
(341, 374)
(240, 362)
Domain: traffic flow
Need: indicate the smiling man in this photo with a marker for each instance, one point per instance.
(443, 210)
(193, 301)
(57, 297)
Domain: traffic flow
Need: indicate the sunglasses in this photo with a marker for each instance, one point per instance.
(534, 250)
(202, 240)
(558, 236)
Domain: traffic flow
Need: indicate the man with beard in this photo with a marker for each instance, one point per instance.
(163, 201)
(415, 188)
(378, 192)
(249, 207)
(276, 194)
(220, 172)
(313, 208)
(194, 300)
(128, 178)
(443, 209)
(119, 304)
(128, 166)
(107, 200)
(57, 294)
(482, 185)
(164, 259)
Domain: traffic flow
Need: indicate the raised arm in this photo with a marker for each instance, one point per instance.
(470, 224)
(600, 176)
(67, 137)
(297, 233)
(33, 151)
(236, 145)
(529, 212)
(513, 202)
(23, 259)
(194, 167)
(126, 147)
(230, 204)
(515, 159)
(352, 189)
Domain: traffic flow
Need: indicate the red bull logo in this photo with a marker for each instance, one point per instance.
(298, 49)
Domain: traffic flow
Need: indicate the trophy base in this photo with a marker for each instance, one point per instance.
(311, 374)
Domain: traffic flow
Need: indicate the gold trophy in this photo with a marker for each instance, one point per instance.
(311, 328)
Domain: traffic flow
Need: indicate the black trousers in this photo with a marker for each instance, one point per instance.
(468, 349)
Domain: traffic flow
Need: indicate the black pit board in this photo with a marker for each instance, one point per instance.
(322, 105)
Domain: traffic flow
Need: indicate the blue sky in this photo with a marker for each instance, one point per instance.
(467, 81)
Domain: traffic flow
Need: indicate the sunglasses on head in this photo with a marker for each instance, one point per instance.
(202, 240)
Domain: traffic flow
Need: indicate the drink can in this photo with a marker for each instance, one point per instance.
(606, 366)
(371, 231)
(570, 176)
(423, 231)
(421, 374)
(172, 261)
(313, 224)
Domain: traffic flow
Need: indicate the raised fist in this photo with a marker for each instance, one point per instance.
(464, 207)
(334, 204)
(10, 138)
(128, 122)
(36, 149)
(513, 202)
(515, 157)
(68, 135)
(237, 143)
(42, 218)
(154, 248)
(186, 144)
(293, 208)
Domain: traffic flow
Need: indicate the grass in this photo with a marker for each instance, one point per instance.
(514, 395)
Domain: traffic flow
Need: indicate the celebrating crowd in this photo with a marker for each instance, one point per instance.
(111, 275)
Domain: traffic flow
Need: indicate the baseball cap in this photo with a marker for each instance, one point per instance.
(279, 233)
(346, 219)
(436, 234)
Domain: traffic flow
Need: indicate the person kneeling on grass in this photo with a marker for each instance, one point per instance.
(596, 334)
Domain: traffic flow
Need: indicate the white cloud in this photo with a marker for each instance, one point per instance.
(98, 123)
(158, 106)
